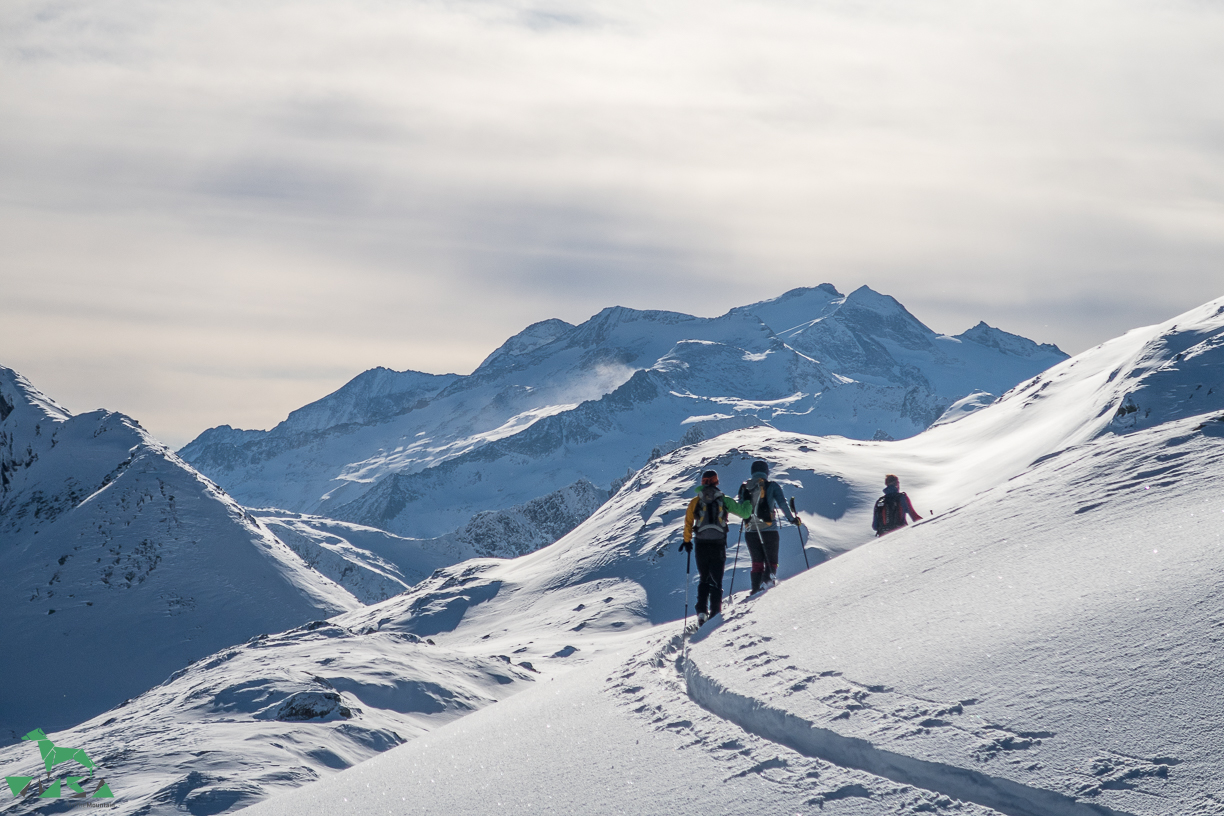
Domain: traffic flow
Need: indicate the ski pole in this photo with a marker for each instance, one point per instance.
(688, 570)
(802, 545)
(735, 561)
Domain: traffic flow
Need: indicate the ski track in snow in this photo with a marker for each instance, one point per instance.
(776, 724)
(658, 687)
(666, 689)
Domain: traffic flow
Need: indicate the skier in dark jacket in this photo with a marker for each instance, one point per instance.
(760, 530)
(892, 508)
(706, 522)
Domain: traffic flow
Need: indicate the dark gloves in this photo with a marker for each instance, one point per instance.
(796, 521)
(686, 546)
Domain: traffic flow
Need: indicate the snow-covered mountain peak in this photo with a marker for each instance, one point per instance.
(379, 393)
(23, 402)
(526, 341)
(109, 538)
(865, 297)
(883, 317)
(226, 435)
(623, 328)
(989, 336)
(557, 404)
(794, 308)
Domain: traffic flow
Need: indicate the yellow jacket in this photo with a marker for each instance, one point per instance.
(738, 508)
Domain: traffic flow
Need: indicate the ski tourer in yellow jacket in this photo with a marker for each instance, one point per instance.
(711, 494)
(705, 523)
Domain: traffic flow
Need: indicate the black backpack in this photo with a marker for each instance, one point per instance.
(889, 513)
(710, 520)
(762, 509)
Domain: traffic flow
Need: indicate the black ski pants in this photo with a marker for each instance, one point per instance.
(711, 561)
(763, 547)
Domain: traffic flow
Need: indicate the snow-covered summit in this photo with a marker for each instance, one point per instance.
(374, 395)
(115, 549)
(794, 307)
(529, 339)
(558, 403)
(989, 336)
(25, 403)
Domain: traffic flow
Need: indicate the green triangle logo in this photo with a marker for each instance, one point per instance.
(103, 792)
(52, 792)
(18, 784)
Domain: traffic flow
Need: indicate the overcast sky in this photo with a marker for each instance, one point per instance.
(216, 212)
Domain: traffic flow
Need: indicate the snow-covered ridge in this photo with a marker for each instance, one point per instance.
(559, 403)
(19, 396)
(275, 713)
(374, 564)
(377, 394)
(991, 337)
(114, 548)
(528, 340)
(527, 528)
(327, 546)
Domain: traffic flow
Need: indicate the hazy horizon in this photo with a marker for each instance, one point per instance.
(214, 214)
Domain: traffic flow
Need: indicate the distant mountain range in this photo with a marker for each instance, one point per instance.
(559, 405)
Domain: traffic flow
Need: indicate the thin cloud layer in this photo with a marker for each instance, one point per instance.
(218, 212)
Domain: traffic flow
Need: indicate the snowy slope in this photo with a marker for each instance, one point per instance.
(619, 737)
(373, 564)
(736, 720)
(272, 714)
(350, 554)
(1052, 641)
(557, 404)
(1048, 647)
(121, 564)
